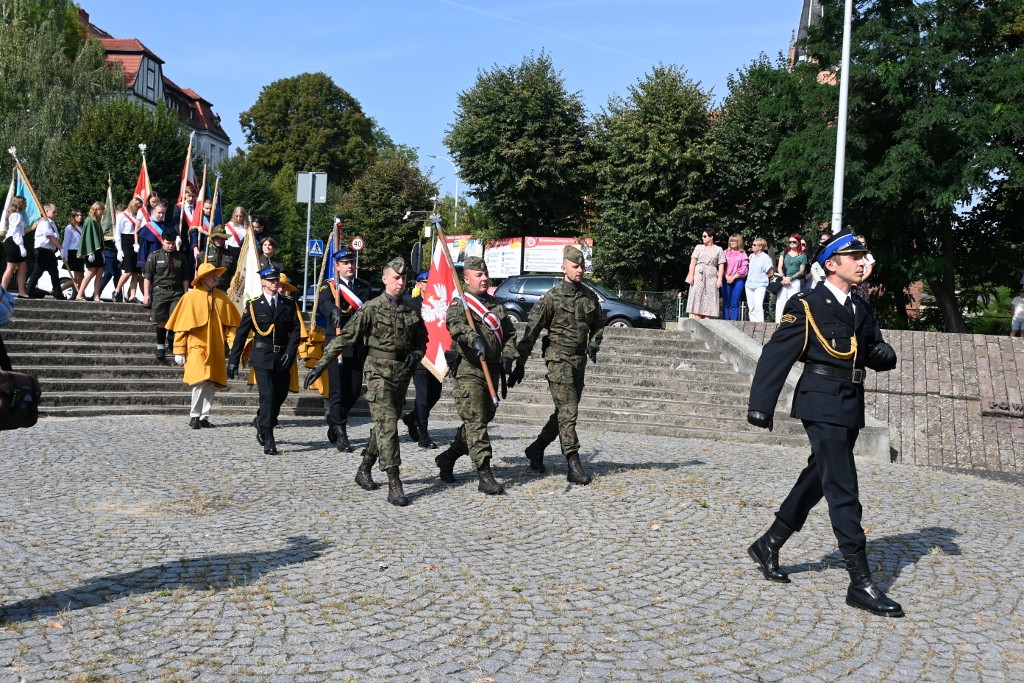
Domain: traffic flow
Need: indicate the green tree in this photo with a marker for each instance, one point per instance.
(375, 205)
(106, 142)
(519, 140)
(46, 90)
(244, 183)
(934, 141)
(652, 159)
(763, 106)
(290, 231)
(309, 122)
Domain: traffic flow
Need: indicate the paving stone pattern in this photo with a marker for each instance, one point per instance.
(936, 399)
(135, 549)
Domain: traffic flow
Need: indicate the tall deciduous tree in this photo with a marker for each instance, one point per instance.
(50, 75)
(652, 162)
(934, 135)
(519, 140)
(309, 122)
(244, 183)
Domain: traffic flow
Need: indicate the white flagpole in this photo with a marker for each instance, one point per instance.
(844, 95)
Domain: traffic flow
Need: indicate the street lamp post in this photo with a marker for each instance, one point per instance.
(455, 223)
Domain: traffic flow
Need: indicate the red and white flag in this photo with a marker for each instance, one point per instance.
(348, 295)
(197, 220)
(441, 289)
(188, 174)
(143, 189)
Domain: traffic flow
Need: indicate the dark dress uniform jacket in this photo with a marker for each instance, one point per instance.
(258, 319)
(826, 340)
(324, 306)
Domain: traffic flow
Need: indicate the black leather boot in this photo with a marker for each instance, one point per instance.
(342, 444)
(487, 484)
(765, 551)
(364, 475)
(396, 496)
(414, 428)
(424, 438)
(270, 447)
(535, 454)
(261, 439)
(445, 462)
(332, 433)
(863, 593)
(577, 475)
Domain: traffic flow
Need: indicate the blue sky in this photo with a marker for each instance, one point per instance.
(407, 60)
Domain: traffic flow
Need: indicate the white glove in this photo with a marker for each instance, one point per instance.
(179, 359)
(24, 252)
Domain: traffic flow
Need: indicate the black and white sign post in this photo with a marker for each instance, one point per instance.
(311, 188)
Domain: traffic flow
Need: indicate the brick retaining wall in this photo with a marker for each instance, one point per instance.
(954, 400)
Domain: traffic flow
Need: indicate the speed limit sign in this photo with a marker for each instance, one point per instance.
(357, 244)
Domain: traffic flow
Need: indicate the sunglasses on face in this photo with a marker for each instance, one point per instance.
(792, 241)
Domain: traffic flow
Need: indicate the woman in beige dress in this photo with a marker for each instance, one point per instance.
(707, 269)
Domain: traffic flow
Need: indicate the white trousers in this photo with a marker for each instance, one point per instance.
(783, 296)
(755, 304)
(202, 399)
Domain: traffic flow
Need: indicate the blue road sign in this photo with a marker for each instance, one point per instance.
(316, 248)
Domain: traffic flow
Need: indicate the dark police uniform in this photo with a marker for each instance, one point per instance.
(427, 387)
(276, 333)
(345, 373)
(835, 345)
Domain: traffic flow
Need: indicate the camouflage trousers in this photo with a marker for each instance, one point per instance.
(476, 408)
(387, 383)
(565, 380)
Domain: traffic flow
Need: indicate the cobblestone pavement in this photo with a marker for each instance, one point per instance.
(137, 549)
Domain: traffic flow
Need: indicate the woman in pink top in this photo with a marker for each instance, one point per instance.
(735, 276)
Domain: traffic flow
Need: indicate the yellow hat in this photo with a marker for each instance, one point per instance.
(204, 270)
(286, 285)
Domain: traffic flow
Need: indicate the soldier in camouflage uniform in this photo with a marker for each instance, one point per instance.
(395, 339)
(494, 341)
(572, 315)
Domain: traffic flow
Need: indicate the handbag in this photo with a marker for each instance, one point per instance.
(774, 284)
(19, 400)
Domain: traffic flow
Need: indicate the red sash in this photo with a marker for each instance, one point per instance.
(349, 296)
(491, 320)
(231, 228)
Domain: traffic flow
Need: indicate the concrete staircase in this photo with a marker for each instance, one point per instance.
(97, 359)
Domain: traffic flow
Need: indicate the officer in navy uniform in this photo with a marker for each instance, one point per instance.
(344, 375)
(835, 335)
(274, 322)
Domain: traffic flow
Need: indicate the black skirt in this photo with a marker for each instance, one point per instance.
(129, 262)
(11, 251)
(75, 264)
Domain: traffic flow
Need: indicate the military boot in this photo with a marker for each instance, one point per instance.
(765, 551)
(445, 462)
(424, 438)
(414, 428)
(364, 475)
(577, 475)
(342, 444)
(863, 593)
(487, 484)
(396, 496)
(535, 454)
(270, 447)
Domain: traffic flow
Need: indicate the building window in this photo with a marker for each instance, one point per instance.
(150, 78)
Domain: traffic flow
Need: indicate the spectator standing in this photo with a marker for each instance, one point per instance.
(792, 266)
(69, 249)
(47, 244)
(707, 269)
(90, 249)
(861, 289)
(736, 268)
(759, 269)
(14, 247)
(1017, 308)
(126, 227)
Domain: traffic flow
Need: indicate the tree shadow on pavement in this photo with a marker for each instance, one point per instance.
(891, 554)
(197, 573)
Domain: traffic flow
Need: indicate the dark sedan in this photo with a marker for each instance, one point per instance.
(519, 293)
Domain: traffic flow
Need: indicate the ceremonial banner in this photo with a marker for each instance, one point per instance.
(109, 214)
(142, 186)
(441, 288)
(544, 254)
(33, 209)
(246, 282)
(504, 257)
(197, 219)
(188, 173)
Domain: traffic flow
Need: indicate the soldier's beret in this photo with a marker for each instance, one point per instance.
(843, 242)
(573, 254)
(474, 263)
(396, 264)
(270, 273)
(344, 255)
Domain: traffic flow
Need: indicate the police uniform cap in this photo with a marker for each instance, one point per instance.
(843, 242)
(474, 263)
(573, 254)
(270, 273)
(344, 255)
(423, 276)
(396, 264)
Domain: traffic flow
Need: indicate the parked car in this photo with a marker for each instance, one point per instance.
(519, 293)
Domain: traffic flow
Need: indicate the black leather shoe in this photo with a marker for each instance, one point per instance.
(342, 444)
(260, 438)
(410, 422)
(160, 354)
(424, 439)
(270, 448)
(863, 593)
(117, 298)
(535, 454)
(332, 434)
(765, 551)
(205, 423)
(194, 423)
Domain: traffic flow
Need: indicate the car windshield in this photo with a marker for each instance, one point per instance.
(600, 290)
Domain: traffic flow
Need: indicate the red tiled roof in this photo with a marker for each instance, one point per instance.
(128, 46)
(130, 64)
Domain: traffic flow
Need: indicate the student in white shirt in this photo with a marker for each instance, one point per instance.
(14, 247)
(69, 249)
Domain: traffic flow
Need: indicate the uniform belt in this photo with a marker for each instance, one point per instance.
(173, 289)
(386, 355)
(856, 375)
(264, 346)
(576, 350)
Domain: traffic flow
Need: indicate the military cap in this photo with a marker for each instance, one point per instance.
(270, 273)
(396, 264)
(474, 263)
(423, 276)
(573, 254)
(344, 255)
(843, 242)
(218, 231)
(169, 236)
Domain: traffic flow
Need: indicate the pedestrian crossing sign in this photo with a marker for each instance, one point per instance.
(316, 248)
